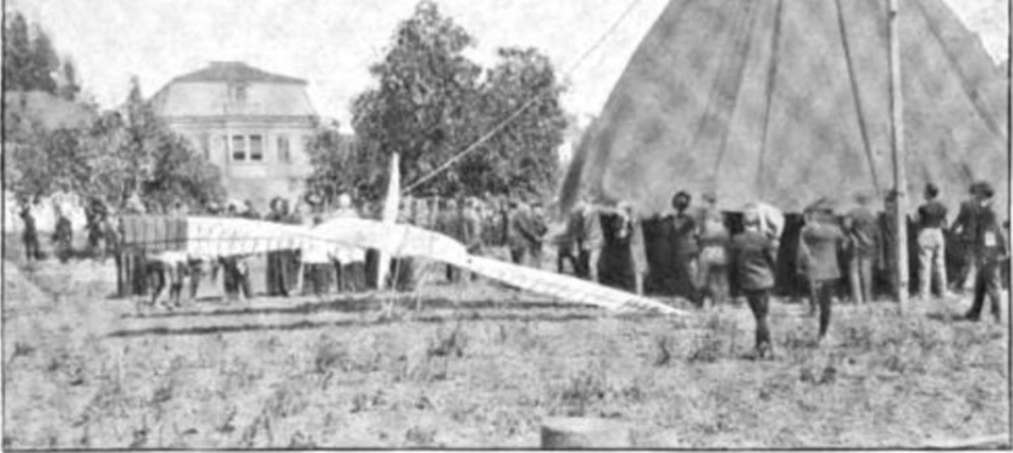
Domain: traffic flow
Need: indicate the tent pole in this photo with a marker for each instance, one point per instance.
(899, 160)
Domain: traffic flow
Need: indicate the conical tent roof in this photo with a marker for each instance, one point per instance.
(785, 101)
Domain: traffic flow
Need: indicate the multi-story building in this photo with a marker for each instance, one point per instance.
(253, 125)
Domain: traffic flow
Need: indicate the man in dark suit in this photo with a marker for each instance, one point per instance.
(524, 235)
(819, 245)
(754, 255)
(63, 236)
(448, 222)
(990, 251)
(30, 235)
(964, 228)
(685, 245)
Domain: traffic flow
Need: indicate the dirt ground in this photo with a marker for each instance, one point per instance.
(476, 367)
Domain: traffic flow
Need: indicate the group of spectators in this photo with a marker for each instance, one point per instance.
(101, 233)
(692, 252)
(689, 251)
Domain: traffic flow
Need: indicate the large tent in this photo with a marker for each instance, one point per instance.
(788, 100)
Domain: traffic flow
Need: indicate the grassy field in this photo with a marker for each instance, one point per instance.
(476, 367)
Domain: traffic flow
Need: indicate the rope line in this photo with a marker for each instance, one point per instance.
(744, 41)
(856, 96)
(965, 85)
(775, 40)
(725, 56)
(502, 124)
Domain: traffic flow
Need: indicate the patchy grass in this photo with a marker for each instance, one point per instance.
(481, 370)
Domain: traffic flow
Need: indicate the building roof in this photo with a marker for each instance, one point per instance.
(206, 93)
(235, 71)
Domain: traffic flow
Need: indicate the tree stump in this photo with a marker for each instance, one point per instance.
(567, 433)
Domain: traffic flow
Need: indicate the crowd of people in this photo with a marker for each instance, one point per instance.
(690, 251)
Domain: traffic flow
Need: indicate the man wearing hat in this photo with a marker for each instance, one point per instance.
(686, 248)
(990, 251)
(819, 244)
(278, 262)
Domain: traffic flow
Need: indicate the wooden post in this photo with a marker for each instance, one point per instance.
(582, 433)
(899, 156)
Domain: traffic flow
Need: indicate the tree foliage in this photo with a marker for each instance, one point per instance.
(522, 156)
(120, 153)
(70, 87)
(341, 165)
(432, 102)
(30, 61)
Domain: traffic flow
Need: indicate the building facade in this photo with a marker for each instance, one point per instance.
(253, 125)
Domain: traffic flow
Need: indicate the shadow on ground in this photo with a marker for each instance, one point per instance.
(307, 324)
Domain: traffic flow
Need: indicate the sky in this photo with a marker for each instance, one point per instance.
(331, 43)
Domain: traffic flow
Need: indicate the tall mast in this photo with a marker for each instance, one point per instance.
(899, 159)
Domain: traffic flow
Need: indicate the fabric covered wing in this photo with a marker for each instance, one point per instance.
(393, 239)
(564, 287)
(210, 237)
(406, 240)
(214, 237)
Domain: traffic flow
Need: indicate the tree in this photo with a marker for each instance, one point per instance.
(69, 87)
(17, 54)
(423, 108)
(44, 63)
(523, 156)
(43, 161)
(180, 174)
(30, 62)
(119, 154)
(155, 162)
(432, 102)
(340, 165)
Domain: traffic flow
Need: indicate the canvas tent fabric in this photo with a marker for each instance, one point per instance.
(786, 101)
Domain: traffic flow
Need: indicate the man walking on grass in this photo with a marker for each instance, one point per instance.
(819, 245)
(754, 254)
(990, 251)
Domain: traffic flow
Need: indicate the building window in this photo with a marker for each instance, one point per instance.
(256, 148)
(307, 143)
(205, 145)
(238, 147)
(237, 92)
(284, 154)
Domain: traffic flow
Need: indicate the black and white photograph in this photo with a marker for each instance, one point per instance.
(506, 224)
